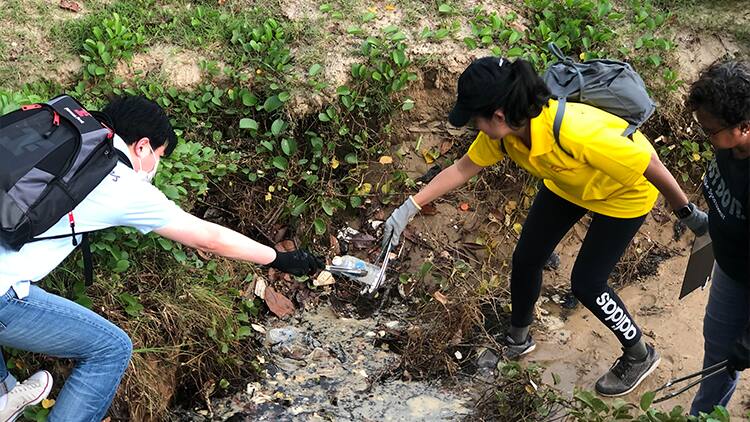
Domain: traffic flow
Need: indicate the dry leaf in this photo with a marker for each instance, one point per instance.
(428, 209)
(278, 303)
(390, 7)
(362, 240)
(386, 159)
(496, 216)
(517, 228)
(260, 287)
(70, 5)
(47, 403)
(464, 206)
(429, 156)
(324, 279)
(204, 255)
(334, 163)
(446, 146)
(285, 246)
(258, 328)
(440, 298)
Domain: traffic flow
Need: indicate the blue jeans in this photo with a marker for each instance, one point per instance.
(727, 315)
(51, 325)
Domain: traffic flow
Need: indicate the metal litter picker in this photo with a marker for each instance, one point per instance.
(703, 374)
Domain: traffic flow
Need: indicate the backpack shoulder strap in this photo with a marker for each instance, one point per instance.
(123, 158)
(558, 123)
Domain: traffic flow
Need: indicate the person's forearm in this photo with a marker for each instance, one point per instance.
(452, 177)
(209, 237)
(231, 244)
(660, 177)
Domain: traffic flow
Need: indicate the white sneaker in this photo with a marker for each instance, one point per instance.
(28, 393)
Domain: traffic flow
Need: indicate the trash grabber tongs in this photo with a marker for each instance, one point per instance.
(704, 375)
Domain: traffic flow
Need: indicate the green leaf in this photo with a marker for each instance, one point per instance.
(515, 52)
(328, 207)
(445, 8)
(277, 127)
(646, 400)
(288, 146)
(514, 37)
(314, 69)
(165, 243)
(280, 163)
(324, 117)
(299, 209)
(121, 266)
(272, 103)
(244, 331)
(284, 96)
(320, 226)
(248, 99)
(399, 57)
(248, 123)
(351, 158)
(408, 104)
(343, 90)
(356, 201)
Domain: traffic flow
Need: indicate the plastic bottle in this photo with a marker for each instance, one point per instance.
(358, 264)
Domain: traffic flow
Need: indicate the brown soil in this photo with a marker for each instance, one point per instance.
(178, 68)
(581, 349)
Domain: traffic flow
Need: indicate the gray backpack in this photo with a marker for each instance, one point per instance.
(609, 85)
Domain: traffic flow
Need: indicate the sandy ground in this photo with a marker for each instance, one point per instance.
(586, 349)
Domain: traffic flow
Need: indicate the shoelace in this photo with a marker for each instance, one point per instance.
(621, 366)
(24, 388)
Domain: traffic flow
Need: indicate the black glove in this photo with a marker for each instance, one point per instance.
(739, 357)
(299, 262)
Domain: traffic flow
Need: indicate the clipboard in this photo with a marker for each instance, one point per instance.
(699, 266)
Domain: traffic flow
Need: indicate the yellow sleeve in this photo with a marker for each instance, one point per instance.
(619, 157)
(484, 151)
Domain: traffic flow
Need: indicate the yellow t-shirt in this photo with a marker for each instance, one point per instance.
(605, 174)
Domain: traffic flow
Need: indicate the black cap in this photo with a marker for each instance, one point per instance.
(481, 85)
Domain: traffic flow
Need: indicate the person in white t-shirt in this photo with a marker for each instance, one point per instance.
(34, 320)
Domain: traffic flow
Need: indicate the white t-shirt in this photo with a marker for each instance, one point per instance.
(121, 199)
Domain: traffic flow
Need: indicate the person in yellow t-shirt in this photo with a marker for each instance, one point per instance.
(593, 169)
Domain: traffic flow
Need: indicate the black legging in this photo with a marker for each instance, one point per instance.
(550, 217)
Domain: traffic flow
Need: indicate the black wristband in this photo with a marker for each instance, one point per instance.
(684, 212)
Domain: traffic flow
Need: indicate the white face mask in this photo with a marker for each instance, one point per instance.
(148, 176)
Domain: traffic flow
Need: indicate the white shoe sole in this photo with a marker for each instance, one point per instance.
(524, 353)
(43, 395)
(640, 380)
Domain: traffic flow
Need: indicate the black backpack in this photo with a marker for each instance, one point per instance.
(51, 157)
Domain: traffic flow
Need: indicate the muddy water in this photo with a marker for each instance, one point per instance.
(326, 370)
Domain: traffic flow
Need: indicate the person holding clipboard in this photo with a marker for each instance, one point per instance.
(720, 103)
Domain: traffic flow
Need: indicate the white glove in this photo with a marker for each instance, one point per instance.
(697, 221)
(398, 220)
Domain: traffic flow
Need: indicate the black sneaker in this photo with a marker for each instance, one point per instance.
(513, 350)
(627, 373)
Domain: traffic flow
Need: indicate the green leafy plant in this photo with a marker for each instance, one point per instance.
(112, 41)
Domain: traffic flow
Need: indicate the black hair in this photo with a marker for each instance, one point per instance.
(135, 117)
(525, 96)
(723, 90)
